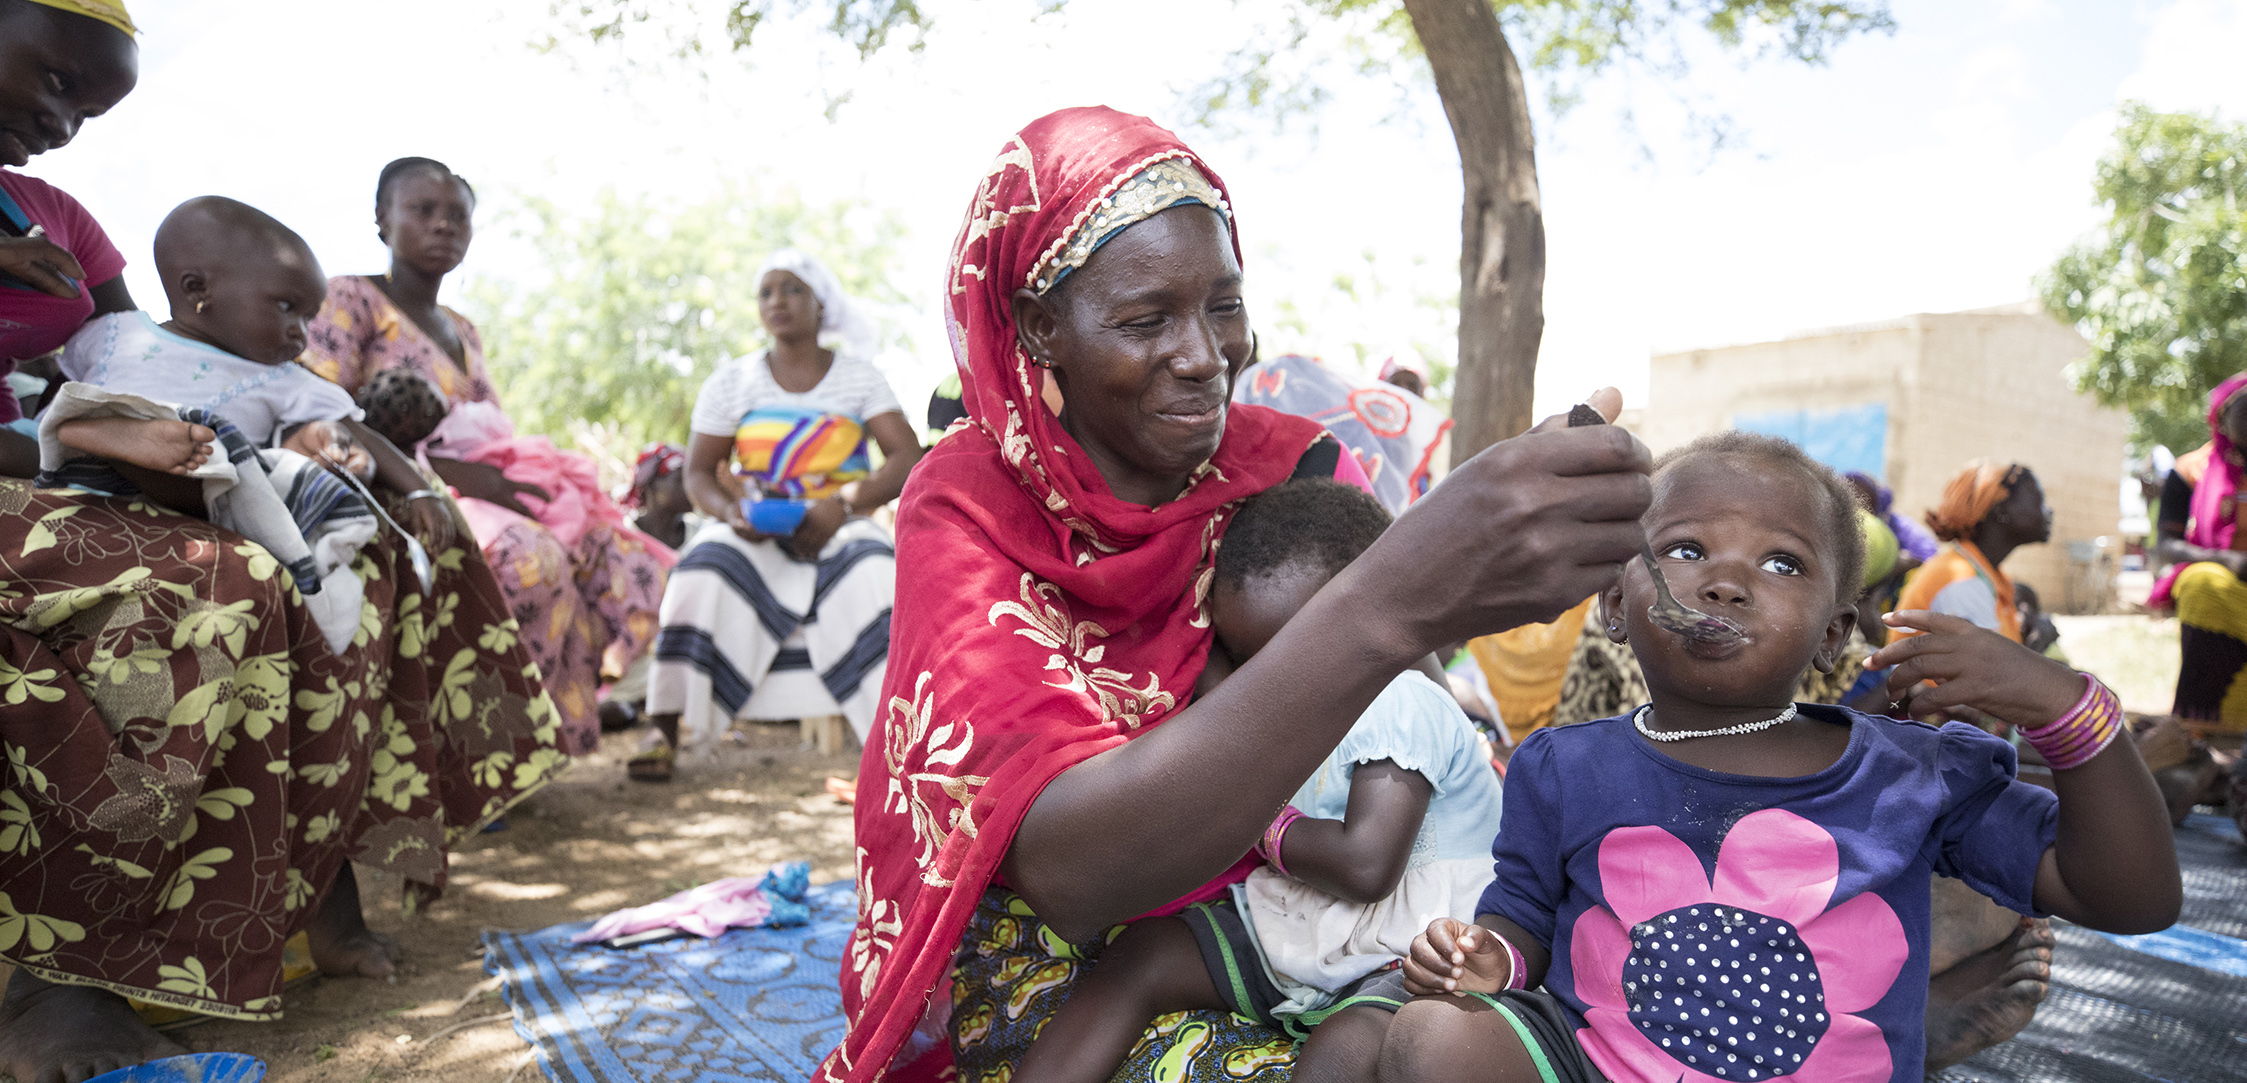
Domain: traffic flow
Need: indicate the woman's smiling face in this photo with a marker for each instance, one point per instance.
(1142, 341)
(57, 70)
(1746, 540)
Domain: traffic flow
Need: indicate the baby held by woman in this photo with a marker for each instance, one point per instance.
(1724, 885)
(1391, 832)
(150, 404)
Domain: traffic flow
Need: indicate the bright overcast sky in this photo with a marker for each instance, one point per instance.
(1933, 170)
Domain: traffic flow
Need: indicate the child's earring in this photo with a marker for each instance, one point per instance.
(201, 305)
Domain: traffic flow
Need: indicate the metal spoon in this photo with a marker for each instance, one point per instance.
(1667, 612)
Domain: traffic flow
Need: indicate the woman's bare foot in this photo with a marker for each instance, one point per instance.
(342, 945)
(69, 1033)
(1988, 998)
(167, 447)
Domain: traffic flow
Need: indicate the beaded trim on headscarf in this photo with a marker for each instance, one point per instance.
(1149, 192)
(108, 11)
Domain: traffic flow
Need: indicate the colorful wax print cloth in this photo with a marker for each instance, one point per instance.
(795, 444)
(1013, 973)
(585, 586)
(1045, 620)
(1313, 944)
(748, 630)
(792, 453)
(1714, 927)
(1961, 582)
(2211, 606)
(33, 323)
(360, 332)
(1393, 432)
(130, 352)
(188, 764)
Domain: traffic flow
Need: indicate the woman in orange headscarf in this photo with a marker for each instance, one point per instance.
(1988, 510)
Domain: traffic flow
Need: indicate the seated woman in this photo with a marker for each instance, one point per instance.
(191, 771)
(2199, 539)
(1047, 776)
(783, 621)
(2208, 559)
(581, 582)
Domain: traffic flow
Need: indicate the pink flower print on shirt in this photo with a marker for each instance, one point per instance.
(1750, 977)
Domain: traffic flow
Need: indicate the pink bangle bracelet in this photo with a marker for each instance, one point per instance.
(1270, 846)
(2072, 739)
(1517, 977)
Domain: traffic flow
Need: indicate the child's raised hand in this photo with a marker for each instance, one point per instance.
(1973, 667)
(1455, 957)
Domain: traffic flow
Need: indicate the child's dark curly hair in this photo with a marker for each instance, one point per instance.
(403, 405)
(1311, 523)
(1843, 530)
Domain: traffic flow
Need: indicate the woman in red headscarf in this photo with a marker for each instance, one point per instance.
(1046, 775)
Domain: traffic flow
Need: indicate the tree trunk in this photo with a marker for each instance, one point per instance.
(1502, 230)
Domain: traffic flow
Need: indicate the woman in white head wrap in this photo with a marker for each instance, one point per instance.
(777, 625)
(841, 320)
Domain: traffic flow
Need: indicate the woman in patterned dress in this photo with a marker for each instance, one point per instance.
(186, 769)
(1041, 770)
(582, 583)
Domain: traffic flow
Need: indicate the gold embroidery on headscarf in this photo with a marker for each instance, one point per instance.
(1149, 192)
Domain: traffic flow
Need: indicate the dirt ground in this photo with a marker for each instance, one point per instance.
(594, 841)
(591, 842)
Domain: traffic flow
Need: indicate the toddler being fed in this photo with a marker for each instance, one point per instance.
(1724, 885)
(1391, 832)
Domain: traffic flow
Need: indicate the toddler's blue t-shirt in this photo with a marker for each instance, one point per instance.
(1710, 926)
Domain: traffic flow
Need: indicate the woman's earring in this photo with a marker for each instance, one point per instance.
(200, 306)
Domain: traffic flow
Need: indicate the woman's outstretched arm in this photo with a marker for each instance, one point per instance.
(1519, 533)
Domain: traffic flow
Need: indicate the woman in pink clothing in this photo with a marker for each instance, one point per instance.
(582, 584)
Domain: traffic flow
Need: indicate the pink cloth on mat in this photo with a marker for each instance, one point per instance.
(704, 911)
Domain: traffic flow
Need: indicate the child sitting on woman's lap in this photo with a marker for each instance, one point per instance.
(242, 287)
(1724, 886)
(1389, 834)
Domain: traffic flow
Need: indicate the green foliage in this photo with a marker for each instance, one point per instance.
(642, 301)
(866, 25)
(2161, 290)
(1565, 40)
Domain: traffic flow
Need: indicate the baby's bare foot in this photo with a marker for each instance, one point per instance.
(68, 1033)
(165, 446)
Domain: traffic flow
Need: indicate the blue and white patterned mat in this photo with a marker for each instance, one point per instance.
(762, 1004)
(752, 1004)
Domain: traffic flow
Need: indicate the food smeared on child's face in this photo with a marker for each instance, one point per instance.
(258, 300)
(1747, 541)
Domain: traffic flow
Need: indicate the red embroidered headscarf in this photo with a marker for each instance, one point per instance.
(1039, 619)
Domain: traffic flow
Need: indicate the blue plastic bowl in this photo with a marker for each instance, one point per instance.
(192, 1068)
(775, 516)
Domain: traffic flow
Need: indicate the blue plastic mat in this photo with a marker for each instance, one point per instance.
(761, 1004)
(752, 1004)
(2171, 1005)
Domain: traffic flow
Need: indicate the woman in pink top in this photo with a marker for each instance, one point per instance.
(57, 267)
(582, 583)
(190, 770)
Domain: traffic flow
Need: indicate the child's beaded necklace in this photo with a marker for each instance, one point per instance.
(1638, 718)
